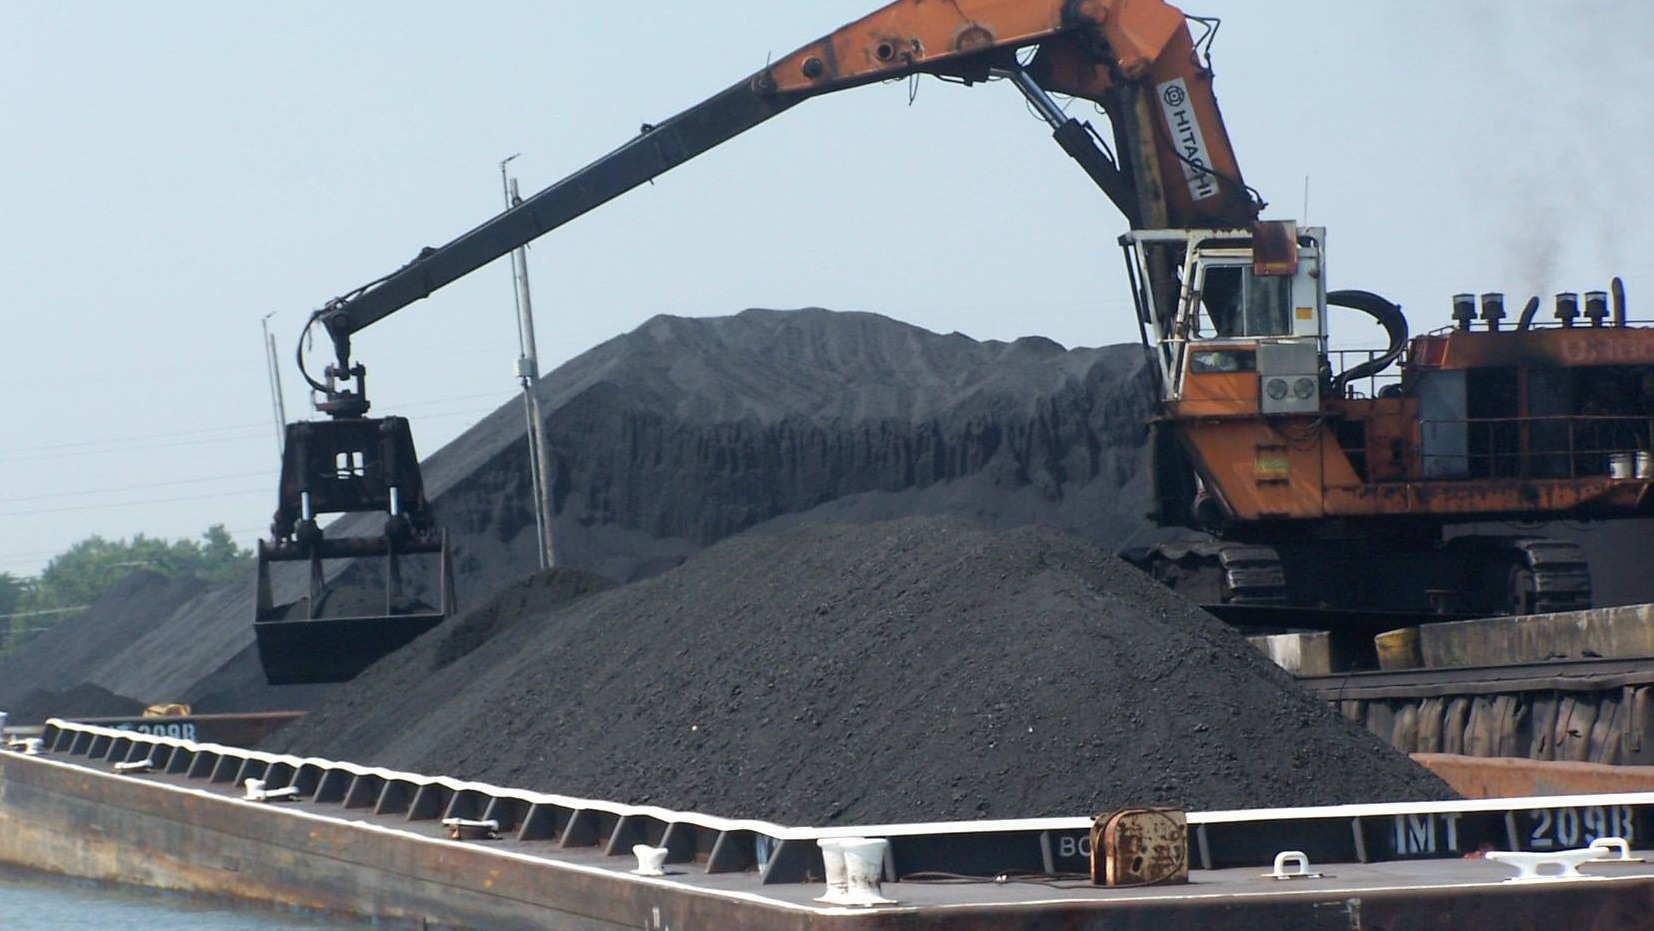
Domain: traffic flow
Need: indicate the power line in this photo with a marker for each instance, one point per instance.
(126, 449)
(110, 491)
(129, 439)
(238, 433)
(445, 416)
(128, 504)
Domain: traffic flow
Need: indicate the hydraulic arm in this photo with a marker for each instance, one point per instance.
(1136, 58)
(1319, 487)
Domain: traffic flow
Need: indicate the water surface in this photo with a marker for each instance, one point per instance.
(36, 902)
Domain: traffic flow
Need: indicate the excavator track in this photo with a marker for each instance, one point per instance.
(1217, 573)
(1551, 576)
(1484, 575)
(1522, 575)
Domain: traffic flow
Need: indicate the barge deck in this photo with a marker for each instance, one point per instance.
(371, 842)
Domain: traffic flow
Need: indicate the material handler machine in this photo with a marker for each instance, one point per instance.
(1316, 483)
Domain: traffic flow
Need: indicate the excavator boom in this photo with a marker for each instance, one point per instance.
(1095, 49)
(1120, 54)
(1319, 484)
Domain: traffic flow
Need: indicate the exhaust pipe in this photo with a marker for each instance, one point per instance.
(1567, 308)
(1464, 310)
(1493, 310)
(1596, 307)
(1529, 311)
(1618, 288)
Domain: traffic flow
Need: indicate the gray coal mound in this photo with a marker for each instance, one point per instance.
(405, 693)
(151, 639)
(77, 703)
(66, 653)
(679, 434)
(911, 670)
(685, 432)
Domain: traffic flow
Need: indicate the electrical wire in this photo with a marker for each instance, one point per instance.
(127, 504)
(146, 485)
(1304, 436)
(239, 431)
(35, 559)
(133, 438)
(260, 434)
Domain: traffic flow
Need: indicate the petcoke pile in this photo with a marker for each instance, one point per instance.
(913, 670)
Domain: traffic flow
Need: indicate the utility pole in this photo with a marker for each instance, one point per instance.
(277, 406)
(528, 373)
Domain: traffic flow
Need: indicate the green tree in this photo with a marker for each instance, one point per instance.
(221, 559)
(84, 572)
(12, 590)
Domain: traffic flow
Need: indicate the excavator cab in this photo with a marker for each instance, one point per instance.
(347, 619)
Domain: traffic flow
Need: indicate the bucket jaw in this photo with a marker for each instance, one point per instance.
(348, 618)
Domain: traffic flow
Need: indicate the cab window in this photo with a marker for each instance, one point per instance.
(1238, 303)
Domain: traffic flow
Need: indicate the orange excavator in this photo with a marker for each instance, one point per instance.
(1315, 484)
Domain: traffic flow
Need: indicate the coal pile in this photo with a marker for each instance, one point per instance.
(910, 670)
(59, 673)
(150, 639)
(680, 434)
(76, 703)
(686, 431)
(404, 696)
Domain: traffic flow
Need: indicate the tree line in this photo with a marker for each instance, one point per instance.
(76, 578)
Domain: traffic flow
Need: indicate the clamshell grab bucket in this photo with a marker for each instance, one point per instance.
(352, 615)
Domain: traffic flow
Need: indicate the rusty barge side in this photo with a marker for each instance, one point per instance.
(72, 820)
(368, 842)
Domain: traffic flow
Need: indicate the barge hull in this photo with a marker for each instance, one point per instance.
(69, 816)
(61, 819)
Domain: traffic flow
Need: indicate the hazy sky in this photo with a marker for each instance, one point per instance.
(172, 172)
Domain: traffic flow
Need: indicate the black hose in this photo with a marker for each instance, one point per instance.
(1528, 312)
(1389, 316)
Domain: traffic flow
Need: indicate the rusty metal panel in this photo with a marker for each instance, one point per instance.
(82, 823)
(1275, 248)
(1569, 346)
(1140, 847)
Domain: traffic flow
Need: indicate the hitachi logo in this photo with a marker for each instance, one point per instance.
(1187, 138)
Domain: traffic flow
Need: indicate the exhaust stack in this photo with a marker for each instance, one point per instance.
(1567, 307)
(1464, 311)
(1596, 307)
(1493, 310)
